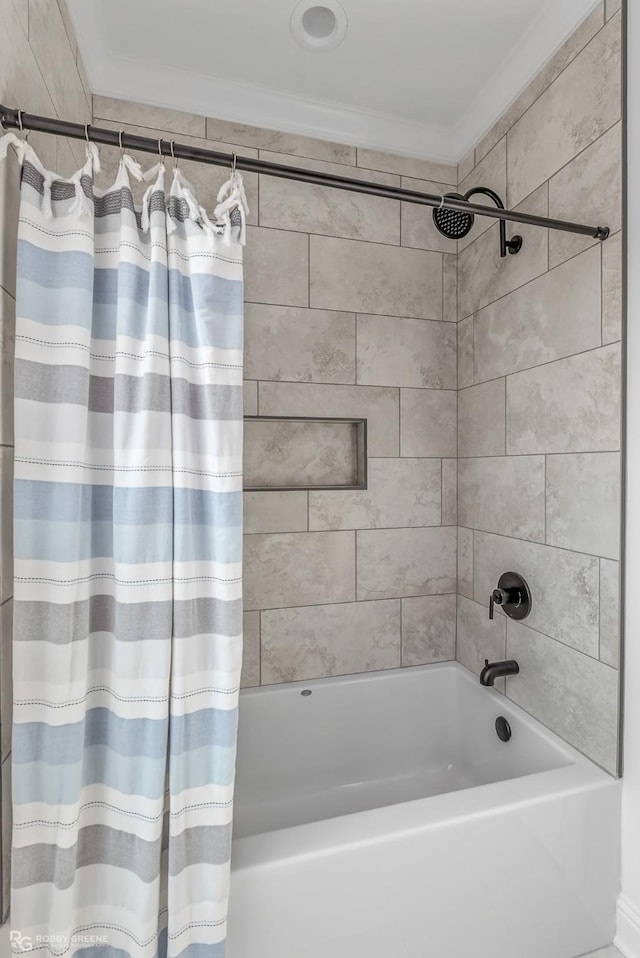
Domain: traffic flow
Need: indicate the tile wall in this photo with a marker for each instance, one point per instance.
(361, 323)
(350, 312)
(539, 377)
(40, 71)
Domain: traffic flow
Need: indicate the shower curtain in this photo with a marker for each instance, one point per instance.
(128, 521)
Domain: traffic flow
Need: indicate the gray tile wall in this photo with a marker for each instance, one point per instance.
(40, 71)
(361, 323)
(351, 311)
(540, 393)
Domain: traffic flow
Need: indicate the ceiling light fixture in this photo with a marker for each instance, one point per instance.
(319, 26)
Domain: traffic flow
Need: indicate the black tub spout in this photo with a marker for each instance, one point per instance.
(495, 670)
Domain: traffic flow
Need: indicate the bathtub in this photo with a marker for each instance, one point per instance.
(380, 816)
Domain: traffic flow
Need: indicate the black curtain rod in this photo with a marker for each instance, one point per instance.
(17, 119)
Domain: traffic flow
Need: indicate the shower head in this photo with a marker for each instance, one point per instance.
(452, 223)
(455, 224)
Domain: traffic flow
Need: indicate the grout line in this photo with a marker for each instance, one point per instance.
(351, 239)
(505, 417)
(309, 382)
(382, 598)
(536, 542)
(548, 232)
(455, 637)
(548, 362)
(473, 349)
(473, 561)
(392, 598)
(530, 455)
(350, 312)
(600, 609)
(348, 529)
(428, 458)
(506, 167)
(11, 296)
(356, 372)
(355, 566)
(546, 499)
(259, 211)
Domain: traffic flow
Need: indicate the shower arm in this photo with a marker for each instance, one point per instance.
(13, 118)
(513, 245)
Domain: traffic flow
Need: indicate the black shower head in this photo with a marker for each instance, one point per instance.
(451, 223)
(455, 224)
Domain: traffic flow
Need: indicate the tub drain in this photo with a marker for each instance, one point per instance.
(503, 729)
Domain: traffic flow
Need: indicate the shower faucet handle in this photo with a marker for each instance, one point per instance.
(500, 597)
(513, 595)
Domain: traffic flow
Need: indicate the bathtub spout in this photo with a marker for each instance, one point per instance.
(496, 670)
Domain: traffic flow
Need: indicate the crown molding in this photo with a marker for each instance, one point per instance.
(124, 78)
(269, 109)
(550, 30)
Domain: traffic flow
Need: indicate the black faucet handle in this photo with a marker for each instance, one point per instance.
(512, 596)
(497, 597)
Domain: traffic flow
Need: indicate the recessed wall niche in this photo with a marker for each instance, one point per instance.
(287, 452)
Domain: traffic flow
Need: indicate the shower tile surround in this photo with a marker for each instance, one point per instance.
(376, 315)
(539, 397)
(357, 307)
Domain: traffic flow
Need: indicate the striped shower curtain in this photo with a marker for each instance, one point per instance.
(128, 515)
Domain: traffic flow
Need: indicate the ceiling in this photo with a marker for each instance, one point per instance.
(422, 77)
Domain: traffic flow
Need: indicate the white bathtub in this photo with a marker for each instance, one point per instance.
(381, 817)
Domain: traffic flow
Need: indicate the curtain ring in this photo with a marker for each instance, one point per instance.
(21, 125)
(441, 202)
(173, 155)
(86, 132)
(160, 153)
(234, 162)
(120, 135)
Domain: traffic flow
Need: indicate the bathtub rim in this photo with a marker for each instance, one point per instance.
(384, 823)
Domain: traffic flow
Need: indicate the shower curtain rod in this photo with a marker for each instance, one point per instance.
(17, 119)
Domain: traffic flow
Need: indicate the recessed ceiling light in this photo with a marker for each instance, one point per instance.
(319, 26)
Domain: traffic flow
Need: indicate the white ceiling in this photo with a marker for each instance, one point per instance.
(422, 77)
